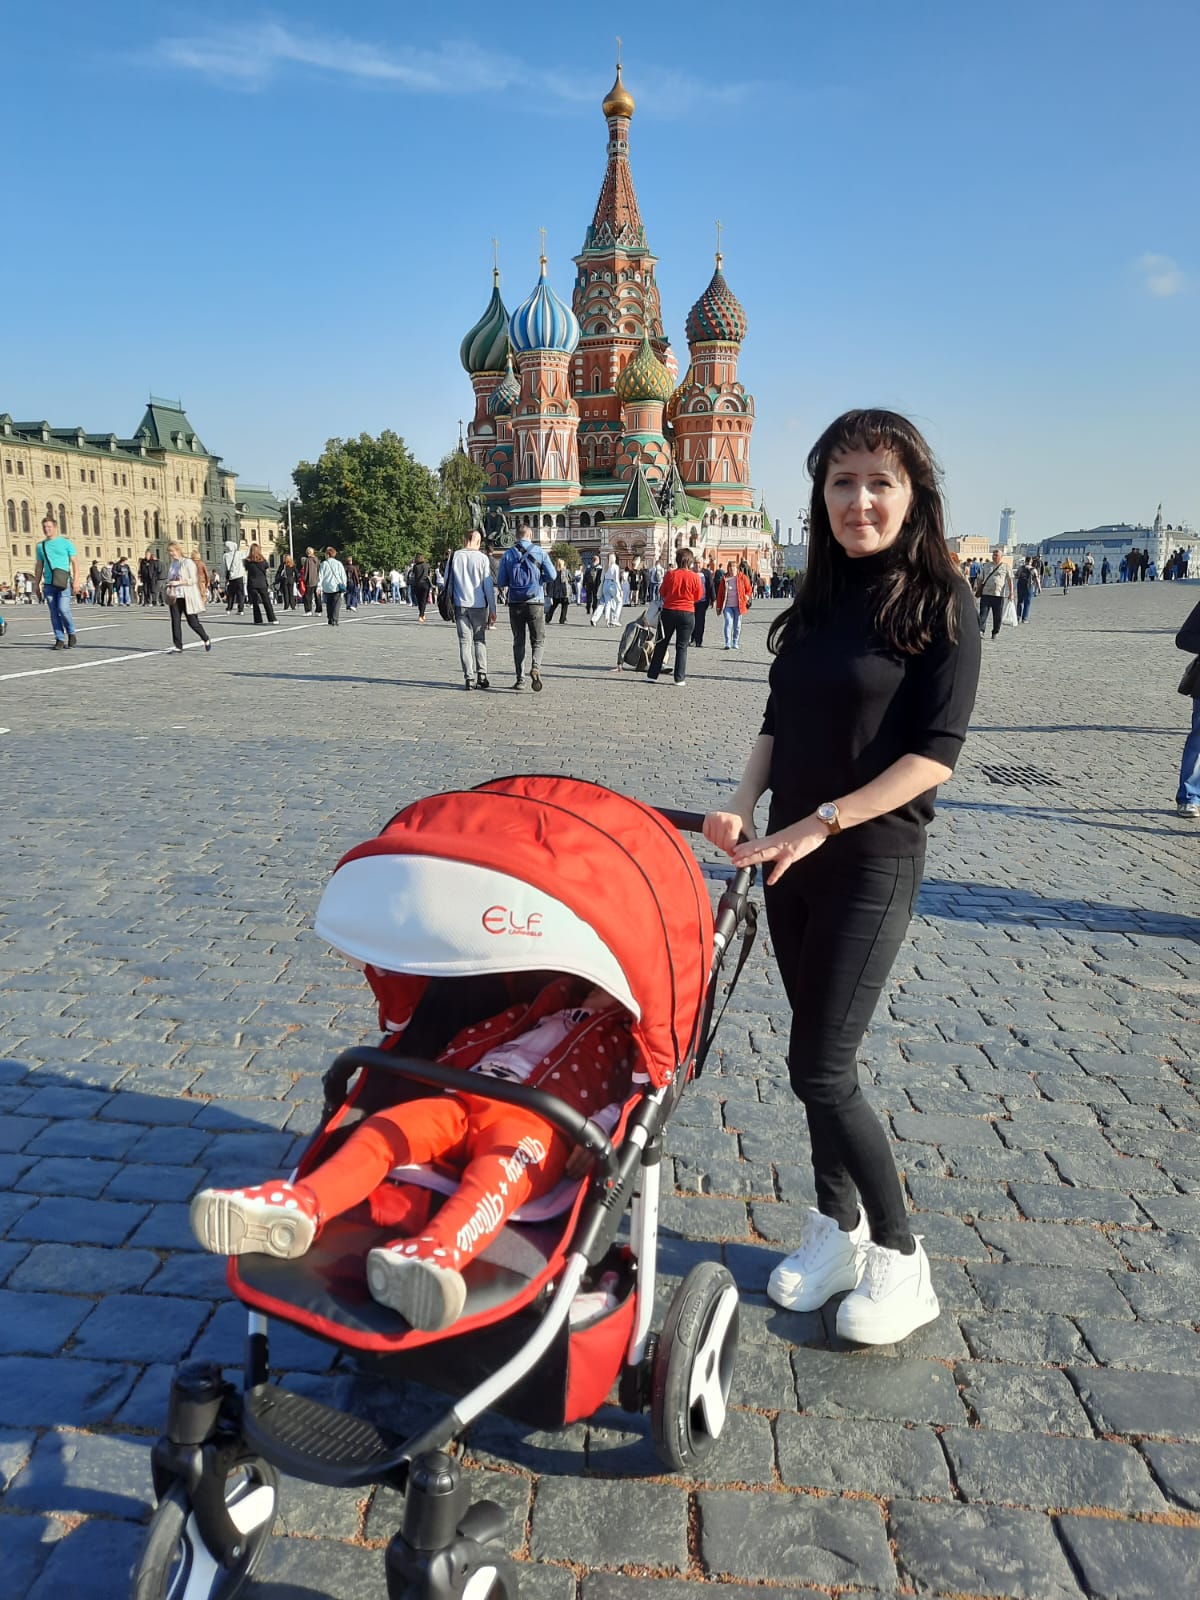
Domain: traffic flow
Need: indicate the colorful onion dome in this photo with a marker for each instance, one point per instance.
(506, 393)
(645, 378)
(618, 102)
(673, 403)
(485, 347)
(671, 361)
(543, 322)
(717, 314)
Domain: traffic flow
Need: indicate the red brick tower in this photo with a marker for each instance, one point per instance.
(615, 299)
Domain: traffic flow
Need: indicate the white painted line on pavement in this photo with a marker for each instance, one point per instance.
(97, 627)
(143, 655)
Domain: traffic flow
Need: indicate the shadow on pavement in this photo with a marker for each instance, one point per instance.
(975, 902)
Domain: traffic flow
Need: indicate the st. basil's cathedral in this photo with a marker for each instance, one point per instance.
(581, 424)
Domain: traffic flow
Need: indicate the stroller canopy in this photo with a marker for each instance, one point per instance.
(531, 874)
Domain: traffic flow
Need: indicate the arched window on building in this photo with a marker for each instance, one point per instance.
(596, 381)
(116, 524)
(128, 534)
(146, 523)
(179, 529)
(50, 509)
(599, 518)
(157, 528)
(547, 520)
(64, 526)
(725, 520)
(224, 529)
(560, 521)
(208, 529)
(585, 520)
(195, 530)
(12, 516)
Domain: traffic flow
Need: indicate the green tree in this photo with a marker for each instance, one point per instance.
(568, 553)
(371, 499)
(460, 481)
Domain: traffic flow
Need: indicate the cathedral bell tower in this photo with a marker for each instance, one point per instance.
(544, 334)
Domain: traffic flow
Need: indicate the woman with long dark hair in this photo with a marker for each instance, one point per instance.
(258, 589)
(419, 585)
(872, 686)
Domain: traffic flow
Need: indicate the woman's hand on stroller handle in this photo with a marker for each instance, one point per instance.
(727, 829)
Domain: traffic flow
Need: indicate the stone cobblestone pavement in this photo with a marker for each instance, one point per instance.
(169, 824)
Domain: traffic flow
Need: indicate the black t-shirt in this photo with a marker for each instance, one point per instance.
(843, 707)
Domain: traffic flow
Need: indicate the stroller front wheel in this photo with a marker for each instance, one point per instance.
(693, 1367)
(176, 1564)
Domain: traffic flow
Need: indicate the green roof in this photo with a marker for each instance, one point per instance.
(253, 501)
(169, 429)
(639, 504)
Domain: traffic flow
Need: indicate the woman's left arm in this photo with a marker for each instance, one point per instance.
(903, 781)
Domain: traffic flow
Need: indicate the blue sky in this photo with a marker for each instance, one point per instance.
(984, 216)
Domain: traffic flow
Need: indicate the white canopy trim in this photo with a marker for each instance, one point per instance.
(438, 918)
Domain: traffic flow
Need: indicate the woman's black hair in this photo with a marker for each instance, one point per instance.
(917, 598)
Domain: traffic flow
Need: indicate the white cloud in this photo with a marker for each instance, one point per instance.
(1162, 276)
(251, 56)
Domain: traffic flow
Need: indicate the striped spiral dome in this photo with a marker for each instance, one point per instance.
(485, 346)
(543, 322)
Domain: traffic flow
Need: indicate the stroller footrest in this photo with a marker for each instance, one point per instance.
(315, 1442)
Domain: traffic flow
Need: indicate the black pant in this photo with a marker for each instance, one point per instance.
(675, 625)
(260, 598)
(553, 607)
(527, 618)
(178, 616)
(698, 629)
(332, 605)
(992, 604)
(837, 925)
(235, 594)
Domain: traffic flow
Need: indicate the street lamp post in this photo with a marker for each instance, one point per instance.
(291, 552)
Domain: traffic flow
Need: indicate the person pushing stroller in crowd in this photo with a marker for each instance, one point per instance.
(572, 1040)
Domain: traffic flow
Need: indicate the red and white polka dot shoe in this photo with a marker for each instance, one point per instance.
(420, 1279)
(272, 1219)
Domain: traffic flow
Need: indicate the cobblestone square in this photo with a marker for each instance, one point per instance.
(171, 822)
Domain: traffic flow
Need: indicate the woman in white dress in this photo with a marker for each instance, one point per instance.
(610, 599)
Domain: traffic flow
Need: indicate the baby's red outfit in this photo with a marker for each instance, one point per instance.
(509, 1156)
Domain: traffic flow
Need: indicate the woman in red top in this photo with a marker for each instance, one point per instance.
(733, 600)
(680, 591)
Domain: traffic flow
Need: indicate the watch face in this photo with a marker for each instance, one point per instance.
(827, 812)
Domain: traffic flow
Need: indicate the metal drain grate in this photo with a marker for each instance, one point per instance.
(1020, 777)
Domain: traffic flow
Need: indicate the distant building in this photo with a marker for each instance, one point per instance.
(1115, 539)
(969, 547)
(261, 519)
(1008, 524)
(113, 497)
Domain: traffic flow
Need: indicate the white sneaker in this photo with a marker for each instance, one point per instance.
(894, 1298)
(826, 1261)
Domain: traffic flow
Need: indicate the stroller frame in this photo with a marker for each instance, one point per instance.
(215, 1468)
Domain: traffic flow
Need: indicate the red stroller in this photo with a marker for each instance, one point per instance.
(465, 901)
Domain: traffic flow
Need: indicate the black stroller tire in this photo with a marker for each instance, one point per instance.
(693, 1367)
(175, 1563)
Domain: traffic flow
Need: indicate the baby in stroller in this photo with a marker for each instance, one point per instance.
(573, 1040)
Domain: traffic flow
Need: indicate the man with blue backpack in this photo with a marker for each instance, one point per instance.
(524, 569)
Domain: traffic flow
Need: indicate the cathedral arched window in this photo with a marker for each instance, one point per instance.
(585, 520)
(725, 520)
(599, 518)
(547, 520)
(600, 327)
(597, 380)
(560, 521)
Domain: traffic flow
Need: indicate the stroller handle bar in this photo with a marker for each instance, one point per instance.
(577, 1128)
(732, 906)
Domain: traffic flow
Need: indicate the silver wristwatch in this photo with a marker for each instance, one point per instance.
(829, 815)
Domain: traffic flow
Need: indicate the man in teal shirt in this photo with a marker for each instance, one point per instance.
(56, 554)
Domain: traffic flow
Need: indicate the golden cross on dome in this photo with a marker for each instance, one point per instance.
(719, 256)
(495, 260)
(542, 231)
(618, 52)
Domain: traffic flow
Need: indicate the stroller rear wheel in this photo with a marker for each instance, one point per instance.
(693, 1367)
(176, 1564)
